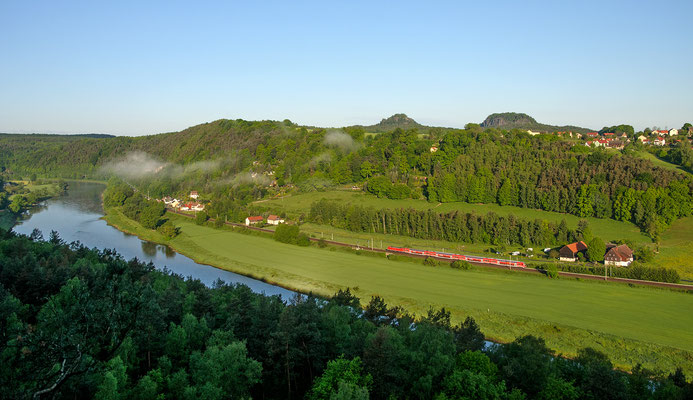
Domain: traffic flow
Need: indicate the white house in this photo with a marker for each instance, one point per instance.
(253, 220)
(620, 256)
(673, 132)
(659, 141)
(275, 220)
(194, 195)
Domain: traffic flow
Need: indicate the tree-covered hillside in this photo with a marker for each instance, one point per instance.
(511, 120)
(241, 161)
(401, 121)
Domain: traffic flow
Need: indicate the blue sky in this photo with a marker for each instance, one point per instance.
(133, 68)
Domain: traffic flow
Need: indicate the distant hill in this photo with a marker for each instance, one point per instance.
(396, 121)
(511, 120)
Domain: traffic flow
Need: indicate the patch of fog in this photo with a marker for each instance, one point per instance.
(339, 139)
(139, 164)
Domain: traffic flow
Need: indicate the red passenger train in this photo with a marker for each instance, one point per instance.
(452, 256)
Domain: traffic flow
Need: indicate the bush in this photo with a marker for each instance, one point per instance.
(218, 223)
(431, 262)
(551, 271)
(201, 218)
(286, 233)
(322, 243)
(303, 240)
(461, 264)
(168, 230)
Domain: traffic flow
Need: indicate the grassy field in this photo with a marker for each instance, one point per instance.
(607, 229)
(625, 322)
(658, 162)
(676, 248)
(50, 188)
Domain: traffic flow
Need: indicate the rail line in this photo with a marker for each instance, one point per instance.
(679, 286)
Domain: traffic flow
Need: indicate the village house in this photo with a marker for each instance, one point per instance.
(194, 195)
(659, 141)
(253, 220)
(275, 220)
(673, 132)
(570, 252)
(620, 256)
(592, 134)
(642, 138)
(615, 144)
(532, 132)
(433, 149)
(609, 134)
(192, 206)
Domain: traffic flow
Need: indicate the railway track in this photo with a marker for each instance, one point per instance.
(679, 286)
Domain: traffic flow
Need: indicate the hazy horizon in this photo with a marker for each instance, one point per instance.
(132, 68)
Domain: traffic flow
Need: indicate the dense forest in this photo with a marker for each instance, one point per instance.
(236, 162)
(81, 323)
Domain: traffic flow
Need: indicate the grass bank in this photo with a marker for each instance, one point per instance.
(631, 324)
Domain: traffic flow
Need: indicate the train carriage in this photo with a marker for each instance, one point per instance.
(462, 257)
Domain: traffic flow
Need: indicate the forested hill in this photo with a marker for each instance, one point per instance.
(249, 160)
(511, 120)
(76, 156)
(401, 121)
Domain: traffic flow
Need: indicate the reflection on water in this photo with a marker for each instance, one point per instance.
(77, 217)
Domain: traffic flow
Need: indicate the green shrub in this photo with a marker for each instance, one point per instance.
(461, 264)
(431, 262)
(302, 240)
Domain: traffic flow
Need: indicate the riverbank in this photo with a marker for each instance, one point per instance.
(621, 321)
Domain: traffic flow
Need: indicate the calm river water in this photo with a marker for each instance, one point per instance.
(76, 216)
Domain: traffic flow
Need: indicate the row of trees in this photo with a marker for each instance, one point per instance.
(81, 323)
(454, 226)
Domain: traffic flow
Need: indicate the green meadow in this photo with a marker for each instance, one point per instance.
(625, 322)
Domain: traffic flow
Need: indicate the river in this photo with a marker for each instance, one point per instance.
(76, 216)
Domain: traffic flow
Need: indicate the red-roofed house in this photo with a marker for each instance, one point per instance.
(592, 134)
(620, 256)
(253, 220)
(570, 252)
(609, 134)
(659, 141)
(275, 220)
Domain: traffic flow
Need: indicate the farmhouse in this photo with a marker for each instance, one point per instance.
(620, 256)
(570, 252)
(253, 220)
(194, 195)
(275, 220)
